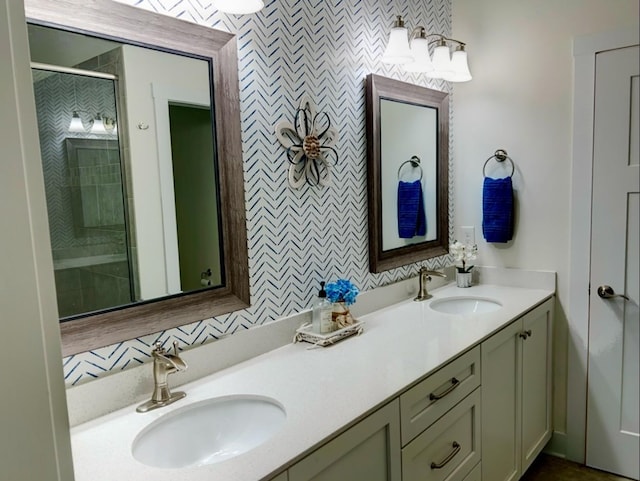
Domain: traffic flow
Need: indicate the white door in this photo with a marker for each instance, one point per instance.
(613, 403)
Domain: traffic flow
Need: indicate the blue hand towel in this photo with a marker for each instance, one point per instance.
(412, 220)
(497, 209)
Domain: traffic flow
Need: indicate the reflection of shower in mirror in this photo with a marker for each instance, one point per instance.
(90, 242)
(152, 75)
(125, 231)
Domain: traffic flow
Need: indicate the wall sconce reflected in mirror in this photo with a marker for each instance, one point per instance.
(110, 125)
(98, 125)
(238, 7)
(411, 50)
(76, 124)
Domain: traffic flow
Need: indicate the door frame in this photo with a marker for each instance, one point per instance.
(37, 409)
(585, 49)
(162, 95)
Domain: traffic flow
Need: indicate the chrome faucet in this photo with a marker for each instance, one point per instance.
(424, 276)
(164, 364)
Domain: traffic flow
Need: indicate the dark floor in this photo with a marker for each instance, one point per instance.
(551, 468)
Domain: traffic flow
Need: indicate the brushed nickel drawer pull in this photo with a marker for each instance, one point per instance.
(456, 449)
(454, 384)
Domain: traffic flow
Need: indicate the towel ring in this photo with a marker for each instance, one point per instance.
(500, 155)
(415, 162)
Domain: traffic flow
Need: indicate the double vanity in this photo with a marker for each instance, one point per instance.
(457, 387)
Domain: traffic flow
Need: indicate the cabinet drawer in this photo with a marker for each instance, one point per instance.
(449, 449)
(475, 474)
(422, 405)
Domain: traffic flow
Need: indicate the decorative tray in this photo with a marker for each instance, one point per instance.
(305, 334)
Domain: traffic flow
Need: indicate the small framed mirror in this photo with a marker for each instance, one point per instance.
(408, 179)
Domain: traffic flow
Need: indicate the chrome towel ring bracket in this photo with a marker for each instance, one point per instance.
(500, 155)
(415, 163)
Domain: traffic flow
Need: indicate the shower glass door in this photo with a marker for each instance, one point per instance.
(83, 174)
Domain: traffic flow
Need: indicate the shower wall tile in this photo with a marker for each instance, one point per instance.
(57, 96)
(297, 238)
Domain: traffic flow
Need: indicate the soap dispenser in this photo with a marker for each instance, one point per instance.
(321, 320)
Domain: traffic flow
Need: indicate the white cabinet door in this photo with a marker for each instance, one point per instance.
(369, 451)
(501, 391)
(536, 383)
(516, 394)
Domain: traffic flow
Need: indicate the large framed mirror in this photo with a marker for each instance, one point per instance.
(139, 124)
(407, 172)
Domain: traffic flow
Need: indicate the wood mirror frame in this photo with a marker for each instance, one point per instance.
(378, 88)
(119, 22)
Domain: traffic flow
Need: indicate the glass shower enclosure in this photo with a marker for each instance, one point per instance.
(85, 193)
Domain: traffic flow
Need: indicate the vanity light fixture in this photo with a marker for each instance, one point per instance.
(238, 7)
(397, 51)
(76, 123)
(111, 125)
(98, 125)
(419, 49)
(411, 50)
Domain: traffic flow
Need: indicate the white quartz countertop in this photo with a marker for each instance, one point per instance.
(323, 390)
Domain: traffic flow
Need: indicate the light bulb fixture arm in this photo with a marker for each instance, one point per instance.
(420, 32)
(398, 22)
(442, 39)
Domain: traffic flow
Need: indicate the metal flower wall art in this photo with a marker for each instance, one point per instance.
(309, 142)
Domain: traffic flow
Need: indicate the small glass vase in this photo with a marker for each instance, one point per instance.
(463, 279)
(341, 316)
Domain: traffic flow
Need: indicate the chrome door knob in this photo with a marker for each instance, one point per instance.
(607, 292)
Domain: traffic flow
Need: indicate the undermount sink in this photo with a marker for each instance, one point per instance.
(208, 431)
(465, 305)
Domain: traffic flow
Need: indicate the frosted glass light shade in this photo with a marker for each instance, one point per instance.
(238, 7)
(397, 51)
(459, 67)
(441, 62)
(98, 126)
(76, 124)
(421, 59)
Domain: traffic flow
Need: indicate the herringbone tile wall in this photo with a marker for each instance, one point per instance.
(323, 48)
(57, 95)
